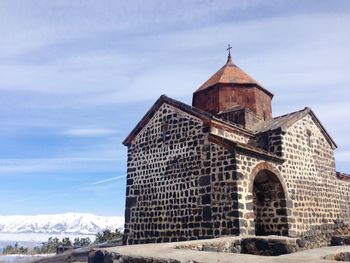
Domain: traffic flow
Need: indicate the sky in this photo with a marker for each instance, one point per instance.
(77, 76)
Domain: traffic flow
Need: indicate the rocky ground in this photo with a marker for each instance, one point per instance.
(192, 251)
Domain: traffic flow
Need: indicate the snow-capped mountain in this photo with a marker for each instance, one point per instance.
(69, 223)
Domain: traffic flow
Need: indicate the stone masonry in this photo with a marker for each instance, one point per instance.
(195, 173)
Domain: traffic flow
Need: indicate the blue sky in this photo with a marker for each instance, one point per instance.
(76, 76)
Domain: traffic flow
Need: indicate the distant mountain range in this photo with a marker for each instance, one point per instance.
(69, 223)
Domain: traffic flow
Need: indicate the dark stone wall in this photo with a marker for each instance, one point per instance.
(224, 194)
(185, 181)
(315, 197)
(180, 186)
(309, 173)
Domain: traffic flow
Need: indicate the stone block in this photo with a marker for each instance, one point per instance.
(249, 206)
(206, 199)
(130, 201)
(340, 240)
(207, 213)
(127, 215)
(129, 182)
(262, 244)
(204, 180)
(301, 242)
(281, 249)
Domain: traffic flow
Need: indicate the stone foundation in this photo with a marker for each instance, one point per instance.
(263, 246)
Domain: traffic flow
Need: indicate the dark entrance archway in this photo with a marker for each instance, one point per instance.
(269, 205)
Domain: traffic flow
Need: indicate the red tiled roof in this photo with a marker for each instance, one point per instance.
(230, 74)
(343, 176)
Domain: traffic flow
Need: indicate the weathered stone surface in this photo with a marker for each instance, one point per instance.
(254, 246)
(340, 240)
(301, 242)
(281, 249)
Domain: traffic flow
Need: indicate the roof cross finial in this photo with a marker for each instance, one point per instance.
(229, 53)
(229, 50)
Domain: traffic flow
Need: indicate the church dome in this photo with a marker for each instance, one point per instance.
(230, 74)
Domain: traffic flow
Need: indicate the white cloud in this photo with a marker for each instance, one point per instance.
(34, 25)
(108, 180)
(98, 189)
(24, 166)
(101, 185)
(88, 132)
(169, 62)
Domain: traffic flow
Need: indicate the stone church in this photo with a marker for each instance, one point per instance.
(226, 166)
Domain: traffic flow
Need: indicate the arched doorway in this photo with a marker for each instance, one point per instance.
(269, 205)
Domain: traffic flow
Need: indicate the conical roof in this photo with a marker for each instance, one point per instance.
(230, 74)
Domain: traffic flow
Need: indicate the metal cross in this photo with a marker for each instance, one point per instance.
(229, 50)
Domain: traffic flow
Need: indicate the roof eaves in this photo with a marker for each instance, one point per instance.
(284, 121)
(149, 114)
(163, 98)
(205, 116)
(298, 115)
(295, 116)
